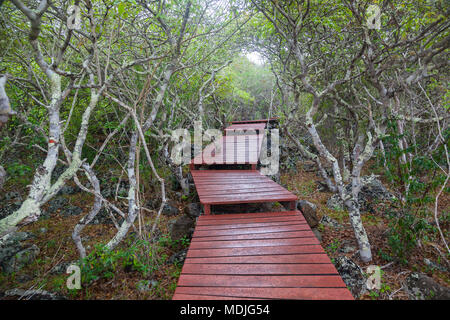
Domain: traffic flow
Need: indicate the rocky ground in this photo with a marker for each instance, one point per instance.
(422, 278)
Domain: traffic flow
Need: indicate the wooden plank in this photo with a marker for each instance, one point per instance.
(231, 187)
(243, 183)
(261, 281)
(245, 194)
(232, 180)
(270, 293)
(245, 231)
(260, 269)
(230, 252)
(246, 126)
(247, 221)
(275, 119)
(273, 258)
(249, 225)
(271, 235)
(248, 199)
(233, 149)
(252, 255)
(251, 215)
(223, 173)
(229, 174)
(253, 243)
(213, 201)
(238, 191)
(205, 187)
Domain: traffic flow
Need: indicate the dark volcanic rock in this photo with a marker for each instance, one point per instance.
(434, 265)
(183, 226)
(178, 257)
(11, 201)
(372, 190)
(352, 274)
(33, 295)
(170, 209)
(194, 209)
(12, 195)
(108, 190)
(103, 217)
(57, 203)
(330, 222)
(71, 211)
(14, 255)
(146, 285)
(68, 190)
(317, 233)
(154, 203)
(309, 211)
(7, 208)
(422, 287)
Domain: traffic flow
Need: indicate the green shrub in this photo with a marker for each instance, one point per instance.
(404, 232)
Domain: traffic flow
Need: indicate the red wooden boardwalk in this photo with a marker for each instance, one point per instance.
(234, 149)
(271, 255)
(238, 186)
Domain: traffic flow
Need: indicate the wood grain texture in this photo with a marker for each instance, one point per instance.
(268, 255)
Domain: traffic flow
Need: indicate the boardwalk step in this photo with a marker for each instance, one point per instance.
(267, 255)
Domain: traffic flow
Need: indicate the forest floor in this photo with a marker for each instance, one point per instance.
(376, 223)
(157, 279)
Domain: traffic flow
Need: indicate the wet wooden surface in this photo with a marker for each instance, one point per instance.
(238, 186)
(232, 149)
(271, 255)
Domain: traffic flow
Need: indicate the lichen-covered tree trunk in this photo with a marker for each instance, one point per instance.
(5, 107)
(132, 207)
(30, 208)
(365, 251)
(350, 200)
(88, 218)
(2, 177)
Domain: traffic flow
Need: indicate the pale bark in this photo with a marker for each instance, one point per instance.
(30, 208)
(5, 107)
(2, 177)
(309, 155)
(132, 207)
(88, 218)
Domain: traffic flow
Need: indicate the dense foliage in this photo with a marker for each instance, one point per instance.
(96, 104)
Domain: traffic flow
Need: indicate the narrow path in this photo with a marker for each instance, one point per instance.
(270, 255)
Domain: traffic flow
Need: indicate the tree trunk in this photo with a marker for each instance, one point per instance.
(358, 228)
(132, 207)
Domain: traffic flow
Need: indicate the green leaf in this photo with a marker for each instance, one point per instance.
(121, 8)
